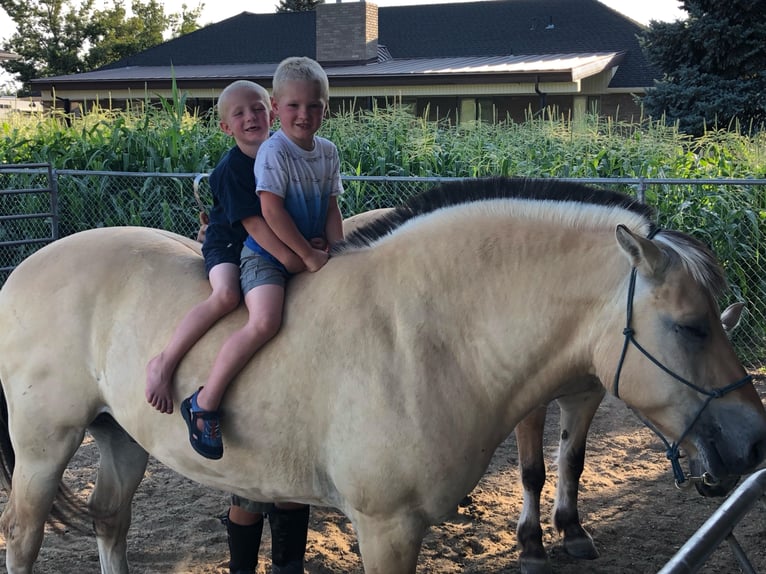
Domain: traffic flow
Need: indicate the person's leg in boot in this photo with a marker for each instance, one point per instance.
(289, 525)
(244, 526)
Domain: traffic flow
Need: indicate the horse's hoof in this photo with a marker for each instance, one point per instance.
(535, 566)
(581, 548)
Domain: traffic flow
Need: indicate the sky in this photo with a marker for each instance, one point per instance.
(639, 10)
(215, 10)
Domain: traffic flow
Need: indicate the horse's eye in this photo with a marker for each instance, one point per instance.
(691, 332)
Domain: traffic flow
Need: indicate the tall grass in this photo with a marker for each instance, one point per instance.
(167, 137)
(392, 142)
(144, 138)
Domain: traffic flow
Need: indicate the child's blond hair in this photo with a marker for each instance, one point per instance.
(301, 68)
(223, 99)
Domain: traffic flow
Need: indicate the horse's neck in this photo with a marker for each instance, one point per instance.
(521, 307)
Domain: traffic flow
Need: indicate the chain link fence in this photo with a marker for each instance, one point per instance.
(38, 204)
(28, 212)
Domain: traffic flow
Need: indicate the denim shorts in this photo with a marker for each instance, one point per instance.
(252, 505)
(256, 270)
(215, 255)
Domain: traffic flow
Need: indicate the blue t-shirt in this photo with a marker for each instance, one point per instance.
(304, 179)
(232, 184)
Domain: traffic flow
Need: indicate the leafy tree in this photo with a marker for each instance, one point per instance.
(61, 37)
(714, 65)
(298, 5)
(113, 35)
(49, 37)
(187, 21)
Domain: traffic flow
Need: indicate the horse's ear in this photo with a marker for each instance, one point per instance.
(731, 316)
(641, 252)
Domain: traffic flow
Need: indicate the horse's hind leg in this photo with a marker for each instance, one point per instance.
(577, 413)
(529, 440)
(121, 468)
(36, 477)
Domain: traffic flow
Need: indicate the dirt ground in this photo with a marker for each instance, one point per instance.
(627, 501)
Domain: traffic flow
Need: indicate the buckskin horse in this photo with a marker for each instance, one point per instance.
(576, 409)
(399, 369)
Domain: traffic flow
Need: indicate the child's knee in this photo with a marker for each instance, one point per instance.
(272, 326)
(228, 299)
(267, 325)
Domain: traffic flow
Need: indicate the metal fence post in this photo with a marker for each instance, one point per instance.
(693, 555)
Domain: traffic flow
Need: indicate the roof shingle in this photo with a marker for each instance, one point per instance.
(474, 29)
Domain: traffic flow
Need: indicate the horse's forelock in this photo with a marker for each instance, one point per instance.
(698, 259)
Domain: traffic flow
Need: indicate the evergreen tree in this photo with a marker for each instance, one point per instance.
(713, 65)
(298, 5)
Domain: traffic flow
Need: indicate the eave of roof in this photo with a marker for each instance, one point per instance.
(548, 67)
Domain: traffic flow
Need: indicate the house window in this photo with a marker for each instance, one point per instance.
(486, 111)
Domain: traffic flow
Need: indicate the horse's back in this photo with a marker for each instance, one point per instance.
(76, 261)
(74, 279)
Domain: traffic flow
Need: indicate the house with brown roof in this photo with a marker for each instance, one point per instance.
(466, 61)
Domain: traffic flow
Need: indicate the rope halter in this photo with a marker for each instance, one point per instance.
(672, 449)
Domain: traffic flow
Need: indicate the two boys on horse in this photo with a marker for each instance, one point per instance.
(275, 213)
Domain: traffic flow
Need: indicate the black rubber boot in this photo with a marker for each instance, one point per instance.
(244, 543)
(289, 531)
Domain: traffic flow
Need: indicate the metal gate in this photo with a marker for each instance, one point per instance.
(719, 527)
(29, 213)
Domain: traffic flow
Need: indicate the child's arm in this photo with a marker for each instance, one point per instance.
(279, 220)
(265, 237)
(334, 226)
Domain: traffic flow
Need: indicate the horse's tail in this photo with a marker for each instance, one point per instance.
(67, 510)
(7, 455)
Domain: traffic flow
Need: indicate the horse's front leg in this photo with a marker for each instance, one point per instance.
(577, 411)
(389, 545)
(529, 440)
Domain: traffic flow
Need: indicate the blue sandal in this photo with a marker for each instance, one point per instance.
(208, 441)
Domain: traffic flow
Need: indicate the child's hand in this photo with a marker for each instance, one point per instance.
(293, 263)
(319, 243)
(316, 260)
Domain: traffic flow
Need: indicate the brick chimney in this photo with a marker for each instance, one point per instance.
(346, 33)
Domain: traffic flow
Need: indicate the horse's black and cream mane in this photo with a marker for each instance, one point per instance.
(696, 257)
(473, 190)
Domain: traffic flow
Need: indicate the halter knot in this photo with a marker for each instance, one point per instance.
(670, 454)
(675, 464)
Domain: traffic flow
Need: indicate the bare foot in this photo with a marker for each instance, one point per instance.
(158, 386)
